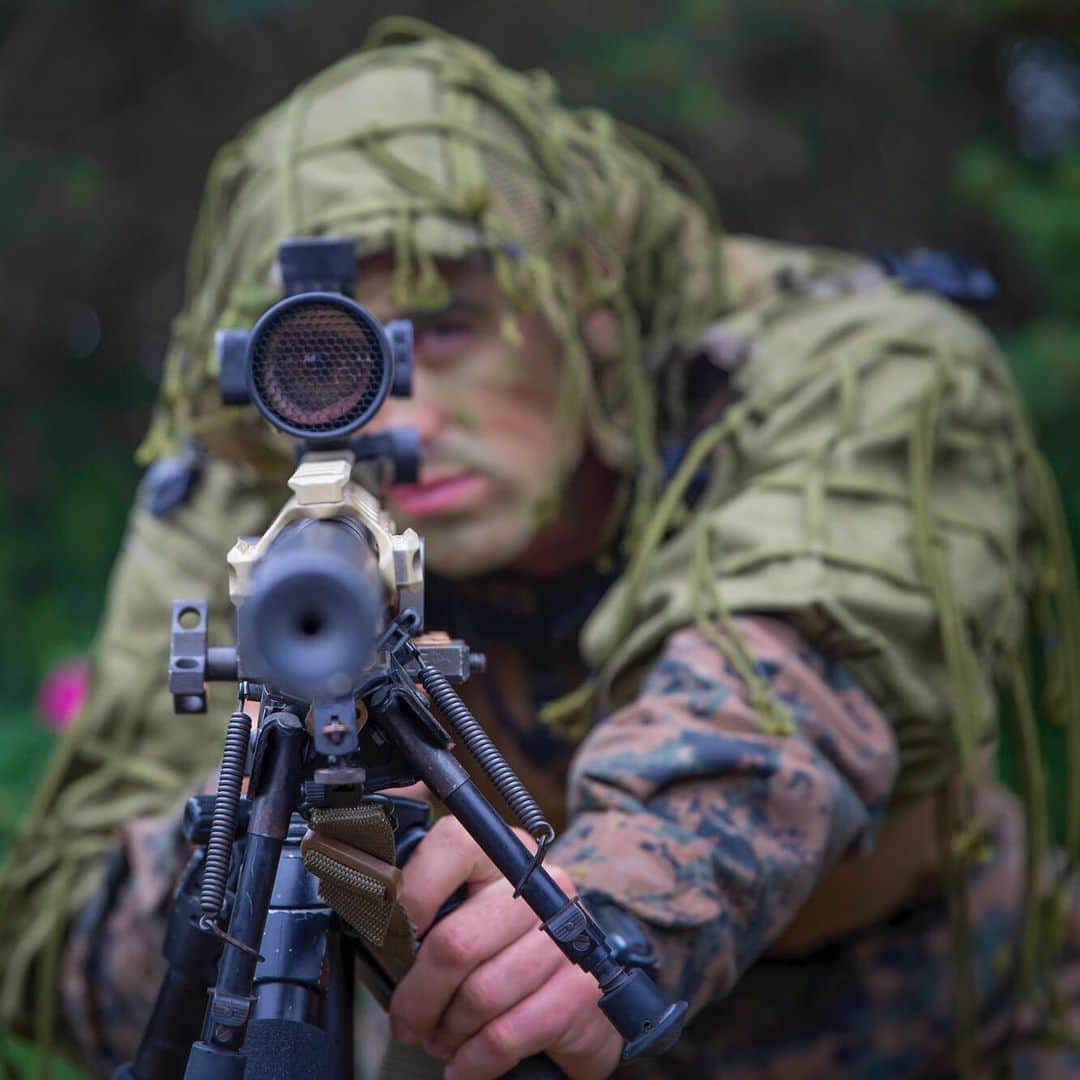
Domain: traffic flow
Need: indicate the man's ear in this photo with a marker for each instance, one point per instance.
(600, 332)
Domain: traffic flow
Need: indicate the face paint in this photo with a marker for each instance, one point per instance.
(465, 420)
(495, 460)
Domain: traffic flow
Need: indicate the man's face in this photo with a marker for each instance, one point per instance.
(493, 461)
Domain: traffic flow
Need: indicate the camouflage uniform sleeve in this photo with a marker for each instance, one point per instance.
(711, 832)
(113, 963)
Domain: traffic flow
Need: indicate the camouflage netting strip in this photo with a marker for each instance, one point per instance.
(365, 826)
(361, 899)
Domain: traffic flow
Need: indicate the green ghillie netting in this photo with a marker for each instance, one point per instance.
(128, 756)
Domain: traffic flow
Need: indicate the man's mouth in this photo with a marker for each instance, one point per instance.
(439, 495)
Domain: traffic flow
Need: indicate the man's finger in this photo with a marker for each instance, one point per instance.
(496, 986)
(488, 922)
(561, 1016)
(445, 859)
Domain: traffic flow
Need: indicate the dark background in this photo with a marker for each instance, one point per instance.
(880, 124)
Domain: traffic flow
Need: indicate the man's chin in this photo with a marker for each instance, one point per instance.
(469, 549)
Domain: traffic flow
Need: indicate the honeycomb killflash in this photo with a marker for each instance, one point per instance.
(319, 365)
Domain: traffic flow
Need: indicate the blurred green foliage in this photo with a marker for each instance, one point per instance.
(879, 125)
(1035, 206)
(22, 1060)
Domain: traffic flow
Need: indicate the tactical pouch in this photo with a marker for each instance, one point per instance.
(355, 852)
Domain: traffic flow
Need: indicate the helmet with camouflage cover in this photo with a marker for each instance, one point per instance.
(423, 146)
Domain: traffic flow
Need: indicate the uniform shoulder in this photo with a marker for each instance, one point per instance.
(924, 287)
(797, 304)
(758, 269)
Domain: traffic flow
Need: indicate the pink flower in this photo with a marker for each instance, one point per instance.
(62, 693)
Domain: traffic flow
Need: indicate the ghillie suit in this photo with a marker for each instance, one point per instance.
(876, 482)
(796, 435)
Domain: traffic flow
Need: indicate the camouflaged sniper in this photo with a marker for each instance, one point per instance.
(875, 481)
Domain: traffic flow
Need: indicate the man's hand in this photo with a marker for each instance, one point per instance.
(486, 988)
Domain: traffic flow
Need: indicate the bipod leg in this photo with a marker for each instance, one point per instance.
(646, 1020)
(274, 793)
(301, 1022)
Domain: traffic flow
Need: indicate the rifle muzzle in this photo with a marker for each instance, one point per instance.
(316, 606)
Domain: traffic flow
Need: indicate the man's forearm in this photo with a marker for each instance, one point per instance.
(706, 828)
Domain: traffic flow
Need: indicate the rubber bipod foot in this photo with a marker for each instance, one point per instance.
(661, 1036)
(290, 1050)
(206, 1062)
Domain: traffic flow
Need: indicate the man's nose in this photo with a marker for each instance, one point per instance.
(428, 419)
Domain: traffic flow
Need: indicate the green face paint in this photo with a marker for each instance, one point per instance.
(495, 456)
(465, 420)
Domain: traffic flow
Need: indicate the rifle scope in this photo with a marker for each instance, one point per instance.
(317, 365)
